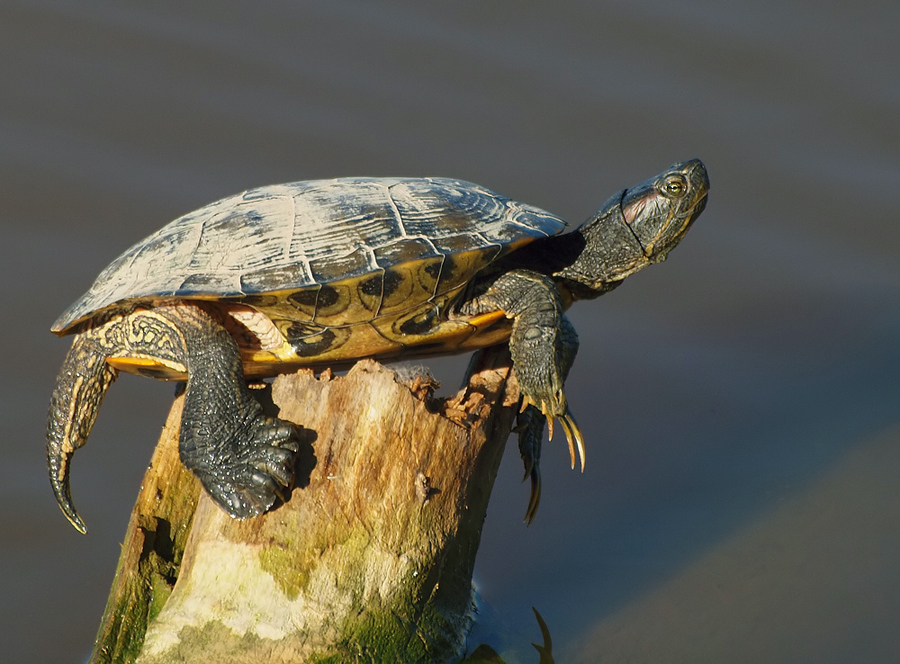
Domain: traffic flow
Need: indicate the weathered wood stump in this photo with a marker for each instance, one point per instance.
(371, 557)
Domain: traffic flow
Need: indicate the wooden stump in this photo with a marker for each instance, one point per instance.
(369, 560)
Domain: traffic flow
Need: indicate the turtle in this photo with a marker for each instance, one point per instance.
(325, 272)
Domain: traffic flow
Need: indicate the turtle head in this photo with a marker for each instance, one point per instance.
(660, 210)
(638, 226)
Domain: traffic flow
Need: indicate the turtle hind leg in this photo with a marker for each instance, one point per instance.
(82, 383)
(244, 459)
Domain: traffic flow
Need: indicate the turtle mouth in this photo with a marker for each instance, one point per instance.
(699, 206)
(689, 218)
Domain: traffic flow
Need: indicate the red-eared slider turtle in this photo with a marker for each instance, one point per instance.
(320, 272)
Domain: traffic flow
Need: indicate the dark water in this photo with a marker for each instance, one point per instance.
(742, 401)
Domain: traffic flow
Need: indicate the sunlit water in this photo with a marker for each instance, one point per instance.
(741, 402)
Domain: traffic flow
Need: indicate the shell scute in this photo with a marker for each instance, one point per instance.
(270, 279)
(350, 265)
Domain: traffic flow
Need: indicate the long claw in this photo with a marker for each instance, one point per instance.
(579, 437)
(566, 425)
(550, 428)
(529, 467)
(535, 498)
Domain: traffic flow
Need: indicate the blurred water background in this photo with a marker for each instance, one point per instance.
(741, 402)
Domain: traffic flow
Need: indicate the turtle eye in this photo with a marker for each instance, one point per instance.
(674, 185)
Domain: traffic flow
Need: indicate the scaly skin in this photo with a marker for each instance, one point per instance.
(242, 457)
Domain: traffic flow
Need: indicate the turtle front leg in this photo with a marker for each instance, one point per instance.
(243, 458)
(543, 345)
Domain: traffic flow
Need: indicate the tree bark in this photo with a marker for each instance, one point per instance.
(371, 557)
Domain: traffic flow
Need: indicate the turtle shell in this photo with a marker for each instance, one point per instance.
(368, 260)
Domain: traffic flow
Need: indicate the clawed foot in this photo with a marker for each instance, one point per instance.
(256, 471)
(550, 408)
(530, 428)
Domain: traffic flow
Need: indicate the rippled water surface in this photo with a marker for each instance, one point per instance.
(741, 402)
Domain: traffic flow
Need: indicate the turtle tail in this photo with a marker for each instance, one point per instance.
(83, 380)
